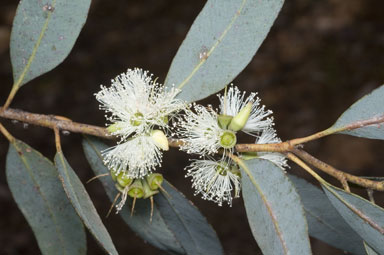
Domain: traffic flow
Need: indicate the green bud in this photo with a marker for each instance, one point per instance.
(160, 139)
(136, 189)
(224, 120)
(154, 180)
(123, 180)
(239, 121)
(148, 192)
(228, 139)
(113, 128)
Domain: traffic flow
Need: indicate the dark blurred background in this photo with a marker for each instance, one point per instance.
(319, 58)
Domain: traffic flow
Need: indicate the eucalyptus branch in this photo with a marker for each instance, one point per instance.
(62, 123)
(338, 174)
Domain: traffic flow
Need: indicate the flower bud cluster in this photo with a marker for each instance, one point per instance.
(136, 188)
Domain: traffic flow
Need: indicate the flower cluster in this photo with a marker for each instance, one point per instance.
(204, 132)
(139, 112)
(139, 109)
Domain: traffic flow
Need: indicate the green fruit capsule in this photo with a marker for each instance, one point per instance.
(123, 180)
(136, 189)
(154, 180)
(148, 192)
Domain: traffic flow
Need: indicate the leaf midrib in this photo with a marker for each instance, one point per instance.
(218, 41)
(267, 205)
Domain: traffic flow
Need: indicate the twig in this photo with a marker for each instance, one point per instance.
(302, 164)
(273, 147)
(340, 175)
(52, 121)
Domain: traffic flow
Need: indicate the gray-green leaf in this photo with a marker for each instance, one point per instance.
(324, 222)
(365, 218)
(177, 226)
(370, 109)
(221, 42)
(187, 223)
(369, 250)
(38, 192)
(274, 210)
(83, 204)
(43, 34)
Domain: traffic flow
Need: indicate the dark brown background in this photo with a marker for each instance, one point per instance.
(319, 58)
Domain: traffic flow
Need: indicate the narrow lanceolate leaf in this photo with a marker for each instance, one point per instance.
(366, 117)
(38, 192)
(83, 204)
(190, 227)
(177, 226)
(221, 42)
(324, 222)
(366, 218)
(369, 250)
(43, 34)
(274, 210)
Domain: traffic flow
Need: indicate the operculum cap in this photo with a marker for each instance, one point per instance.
(160, 139)
(239, 121)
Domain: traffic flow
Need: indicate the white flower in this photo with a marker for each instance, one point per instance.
(137, 106)
(215, 180)
(137, 103)
(234, 101)
(266, 137)
(137, 157)
(200, 131)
